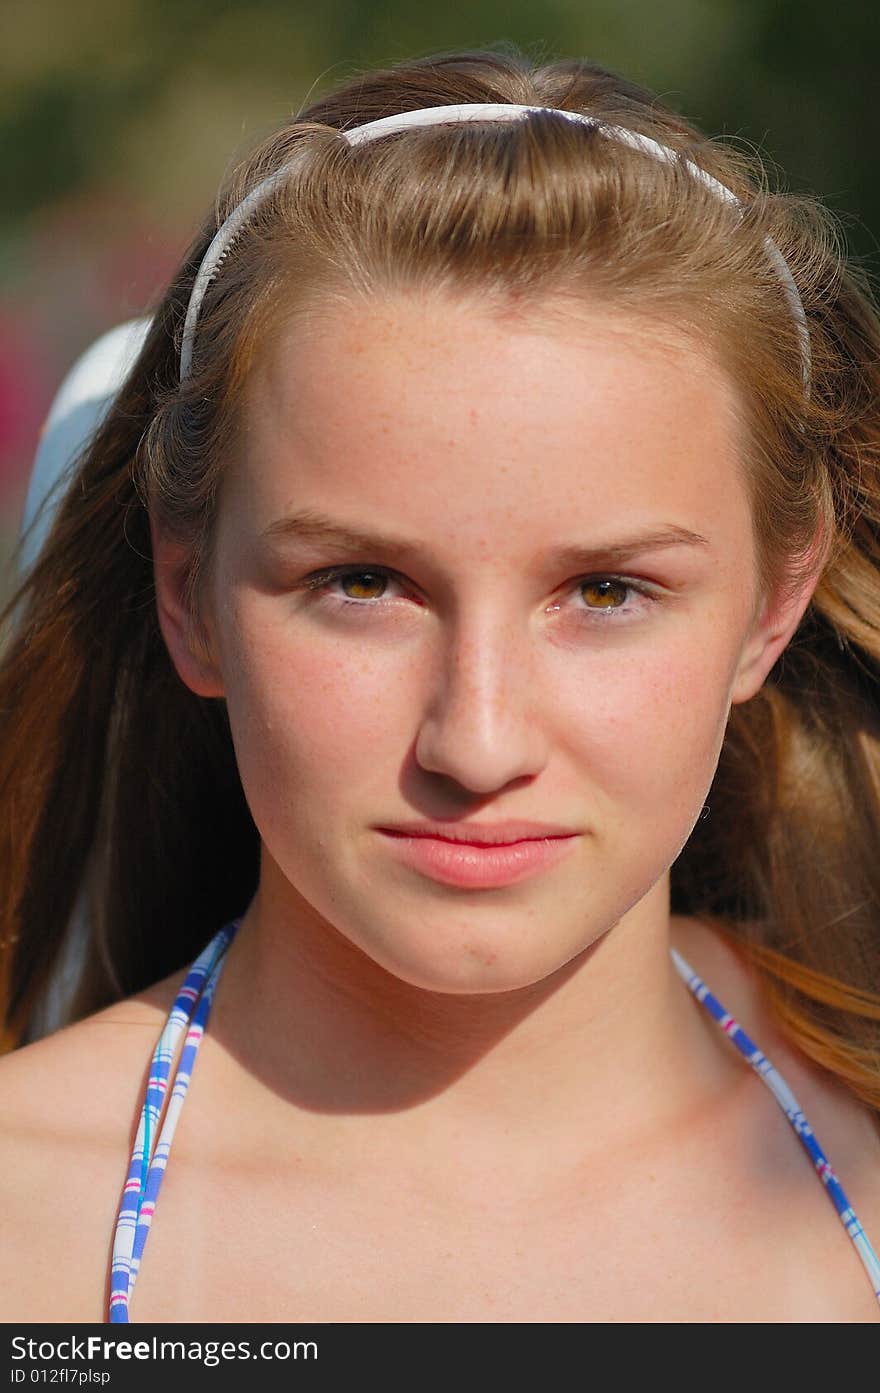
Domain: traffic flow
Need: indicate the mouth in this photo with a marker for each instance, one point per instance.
(502, 833)
(477, 865)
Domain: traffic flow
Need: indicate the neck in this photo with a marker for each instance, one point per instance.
(602, 1052)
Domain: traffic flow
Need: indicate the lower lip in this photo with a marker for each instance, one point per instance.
(482, 867)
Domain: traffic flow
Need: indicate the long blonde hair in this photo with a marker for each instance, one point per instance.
(119, 785)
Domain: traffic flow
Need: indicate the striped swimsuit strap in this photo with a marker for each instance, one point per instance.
(188, 1018)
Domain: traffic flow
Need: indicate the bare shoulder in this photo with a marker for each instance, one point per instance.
(847, 1130)
(49, 1084)
(69, 1104)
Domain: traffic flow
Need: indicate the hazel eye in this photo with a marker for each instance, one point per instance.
(364, 586)
(355, 583)
(611, 593)
(604, 599)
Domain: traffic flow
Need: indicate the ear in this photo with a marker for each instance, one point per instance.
(192, 653)
(775, 623)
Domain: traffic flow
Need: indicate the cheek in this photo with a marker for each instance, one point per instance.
(308, 717)
(650, 726)
(320, 722)
(644, 734)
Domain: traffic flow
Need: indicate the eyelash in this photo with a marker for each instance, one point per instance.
(322, 580)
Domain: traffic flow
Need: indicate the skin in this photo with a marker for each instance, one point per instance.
(417, 1102)
(481, 684)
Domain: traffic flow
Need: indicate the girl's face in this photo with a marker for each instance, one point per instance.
(546, 612)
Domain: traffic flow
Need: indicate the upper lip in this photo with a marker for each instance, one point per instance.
(481, 833)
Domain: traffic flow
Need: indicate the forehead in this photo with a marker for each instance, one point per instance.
(460, 421)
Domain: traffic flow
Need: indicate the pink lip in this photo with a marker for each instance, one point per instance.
(474, 866)
(482, 833)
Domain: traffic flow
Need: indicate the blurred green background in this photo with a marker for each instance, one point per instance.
(120, 117)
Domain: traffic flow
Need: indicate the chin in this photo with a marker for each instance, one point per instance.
(476, 968)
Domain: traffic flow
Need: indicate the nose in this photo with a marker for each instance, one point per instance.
(482, 725)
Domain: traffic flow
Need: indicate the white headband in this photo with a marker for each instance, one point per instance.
(477, 111)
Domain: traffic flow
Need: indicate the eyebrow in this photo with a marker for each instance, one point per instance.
(313, 526)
